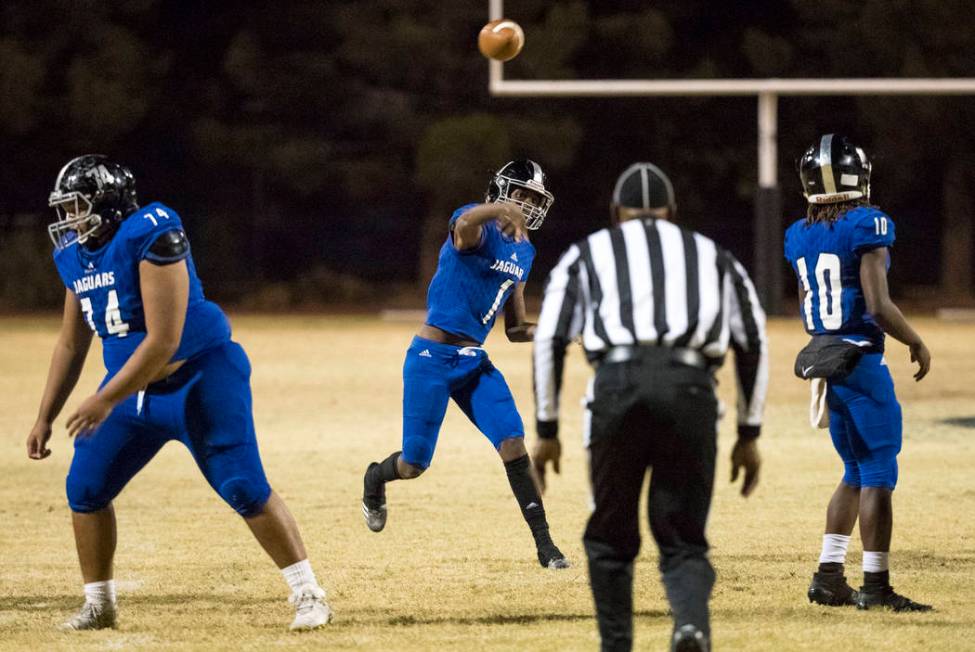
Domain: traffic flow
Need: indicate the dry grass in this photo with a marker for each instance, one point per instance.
(455, 568)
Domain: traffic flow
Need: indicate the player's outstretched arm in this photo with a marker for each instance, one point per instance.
(515, 325)
(165, 295)
(873, 279)
(67, 361)
(467, 228)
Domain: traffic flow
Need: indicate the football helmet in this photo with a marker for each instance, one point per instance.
(527, 175)
(834, 170)
(92, 195)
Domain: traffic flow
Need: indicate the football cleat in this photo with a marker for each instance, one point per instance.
(374, 499)
(689, 638)
(832, 590)
(311, 610)
(886, 598)
(92, 616)
(551, 557)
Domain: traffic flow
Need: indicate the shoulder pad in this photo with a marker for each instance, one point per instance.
(460, 211)
(168, 247)
(870, 228)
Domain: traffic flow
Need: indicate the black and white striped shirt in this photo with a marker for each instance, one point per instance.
(650, 282)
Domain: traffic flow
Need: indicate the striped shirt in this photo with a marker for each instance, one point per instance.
(650, 282)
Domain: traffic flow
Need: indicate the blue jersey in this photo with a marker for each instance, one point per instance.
(471, 287)
(106, 281)
(826, 260)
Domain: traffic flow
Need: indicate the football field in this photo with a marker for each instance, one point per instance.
(455, 568)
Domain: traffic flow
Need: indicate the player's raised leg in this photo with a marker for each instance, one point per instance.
(426, 392)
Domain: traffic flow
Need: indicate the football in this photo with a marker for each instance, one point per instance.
(501, 39)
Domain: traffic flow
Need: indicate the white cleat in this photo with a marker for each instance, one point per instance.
(311, 610)
(92, 616)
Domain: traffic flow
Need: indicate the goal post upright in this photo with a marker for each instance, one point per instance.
(766, 269)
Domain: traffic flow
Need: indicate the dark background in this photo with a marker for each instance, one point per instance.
(315, 149)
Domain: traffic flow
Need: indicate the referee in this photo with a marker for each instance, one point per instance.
(656, 307)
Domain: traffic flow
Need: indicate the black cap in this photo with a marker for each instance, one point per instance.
(644, 185)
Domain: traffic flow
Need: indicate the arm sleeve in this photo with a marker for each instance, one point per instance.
(560, 321)
(746, 322)
(871, 230)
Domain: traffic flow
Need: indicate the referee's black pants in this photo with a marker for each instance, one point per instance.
(653, 413)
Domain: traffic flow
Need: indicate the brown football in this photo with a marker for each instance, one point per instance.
(501, 39)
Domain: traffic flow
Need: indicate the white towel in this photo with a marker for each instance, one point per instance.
(818, 414)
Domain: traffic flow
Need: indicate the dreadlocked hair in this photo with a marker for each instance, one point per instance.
(829, 213)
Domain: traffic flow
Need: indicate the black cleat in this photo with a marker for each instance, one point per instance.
(551, 557)
(689, 638)
(832, 590)
(374, 499)
(885, 598)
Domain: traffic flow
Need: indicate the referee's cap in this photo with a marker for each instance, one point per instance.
(644, 185)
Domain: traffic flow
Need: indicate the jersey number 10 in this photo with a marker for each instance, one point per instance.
(830, 291)
(113, 315)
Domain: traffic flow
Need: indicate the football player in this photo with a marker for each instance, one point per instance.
(484, 264)
(173, 373)
(841, 253)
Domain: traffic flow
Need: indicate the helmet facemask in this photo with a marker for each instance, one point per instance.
(534, 213)
(76, 221)
(92, 195)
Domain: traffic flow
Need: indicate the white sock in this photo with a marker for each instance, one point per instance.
(834, 549)
(875, 562)
(100, 593)
(299, 574)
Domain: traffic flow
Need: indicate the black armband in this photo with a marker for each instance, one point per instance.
(749, 432)
(170, 247)
(547, 429)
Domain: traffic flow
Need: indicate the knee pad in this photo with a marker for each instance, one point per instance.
(86, 495)
(880, 473)
(851, 474)
(418, 452)
(246, 495)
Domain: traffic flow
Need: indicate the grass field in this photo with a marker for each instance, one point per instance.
(455, 568)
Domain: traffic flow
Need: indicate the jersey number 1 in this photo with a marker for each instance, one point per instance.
(497, 301)
(113, 315)
(830, 303)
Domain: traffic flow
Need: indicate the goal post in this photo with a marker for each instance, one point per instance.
(766, 270)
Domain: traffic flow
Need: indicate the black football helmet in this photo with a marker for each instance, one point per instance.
(92, 195)
(834, 170)
(527, 175)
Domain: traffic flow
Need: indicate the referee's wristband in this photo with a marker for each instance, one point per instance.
(547, 429)
(749, 432)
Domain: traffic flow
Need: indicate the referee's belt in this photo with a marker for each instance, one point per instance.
(679, 355)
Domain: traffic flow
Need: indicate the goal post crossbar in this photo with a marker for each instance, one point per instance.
(725, 87)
